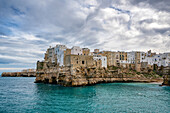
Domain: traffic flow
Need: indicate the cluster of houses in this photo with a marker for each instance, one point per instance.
(77, 56)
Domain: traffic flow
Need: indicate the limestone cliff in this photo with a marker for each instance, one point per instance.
(18, 74)
(166, 80)
(69, 76)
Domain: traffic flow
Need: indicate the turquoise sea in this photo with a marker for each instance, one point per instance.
(22, 95)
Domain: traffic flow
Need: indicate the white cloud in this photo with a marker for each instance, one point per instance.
(105, 24)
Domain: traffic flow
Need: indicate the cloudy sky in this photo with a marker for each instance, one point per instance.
(29, 27)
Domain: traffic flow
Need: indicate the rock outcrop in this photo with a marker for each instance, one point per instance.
(69, 76)
(166, 80)
(19, 74)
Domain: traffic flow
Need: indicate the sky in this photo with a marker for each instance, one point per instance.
(29, 27)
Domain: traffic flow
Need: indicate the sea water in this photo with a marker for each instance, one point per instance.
(22, 95)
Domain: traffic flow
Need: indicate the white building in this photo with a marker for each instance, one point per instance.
(158, 59)
(131, 57)
(59, 53)
(165, 59)
(149, 60)
(56, 52)
(102, 58)
(76, 50)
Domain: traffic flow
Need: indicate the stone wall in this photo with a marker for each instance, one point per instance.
(78, 61)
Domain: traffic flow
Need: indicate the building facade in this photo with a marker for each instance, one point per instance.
(76, 50)
(102, 58)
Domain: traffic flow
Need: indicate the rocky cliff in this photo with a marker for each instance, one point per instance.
(166, 80)
(68, 76)
(19, 74)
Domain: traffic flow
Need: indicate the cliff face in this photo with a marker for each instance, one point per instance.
(68, 76)
(166, 80)
(166, 77)
(18, 74)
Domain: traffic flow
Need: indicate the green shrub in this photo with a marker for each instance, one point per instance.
(138, 73)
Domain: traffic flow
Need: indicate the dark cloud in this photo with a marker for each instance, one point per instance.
(157, 4)
(162, 31)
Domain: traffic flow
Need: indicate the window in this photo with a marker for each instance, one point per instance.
(78, 53)
(77, 62)
(82, 62)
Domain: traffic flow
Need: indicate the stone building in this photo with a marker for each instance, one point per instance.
(75, 57)
(49, 54)
(96, 51)
(123, 59)
(113, 58)
(150, 54)
(108, 54)
(55, 52)
(137, 61)
(79, 61)
(86, 51)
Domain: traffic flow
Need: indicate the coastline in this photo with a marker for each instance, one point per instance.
(19, 74)
(147, 82)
